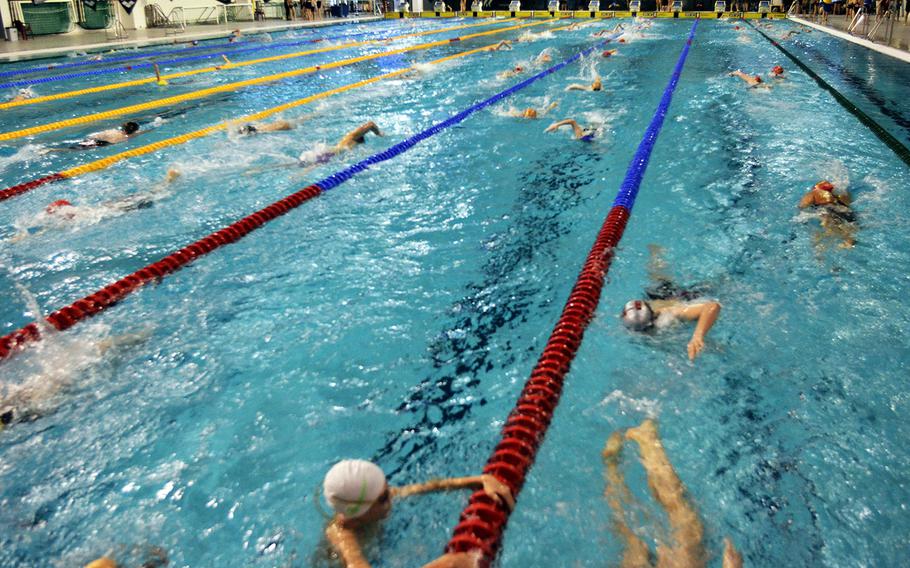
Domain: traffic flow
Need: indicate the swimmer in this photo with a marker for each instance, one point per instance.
(686, 547)
(504, 44)
(259, 128)
(777, 72)
(667, 303)
(61, 212)
(107, 137)
(604, 32)
(517, 70)
(752, 80)
(583, 134)
(542, 58)
(788, 35)
(531, 112)
(835, 214)
(596, 85)
(22, 95)
(360, 496)
(35, 397)
(609, 53)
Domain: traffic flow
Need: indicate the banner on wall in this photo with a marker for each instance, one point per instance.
(128, 5)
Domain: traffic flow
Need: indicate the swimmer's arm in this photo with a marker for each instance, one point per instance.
(706, 314)
(561, 123)
(457, 560)
(345, 542)
(494, 488)
(577, 87)
(807, 200)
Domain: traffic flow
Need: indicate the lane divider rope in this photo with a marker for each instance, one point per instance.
(109, 161)
(214, 68)
(105, 61)
(483, 521)
(92, 304)
(890, 141)
(202, 93)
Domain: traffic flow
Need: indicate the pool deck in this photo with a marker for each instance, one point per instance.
(100, 40)
(898, 47)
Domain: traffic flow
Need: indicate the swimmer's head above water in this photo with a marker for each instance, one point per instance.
(130, 127)
(637, 315)
(357, 489)
(777, 71)
(824, 185)
(60, 207)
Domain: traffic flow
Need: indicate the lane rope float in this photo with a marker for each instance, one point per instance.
(890, 141)
(215, 68)
(202, 93)
(483, 521)
(106, 297)
(109, 161)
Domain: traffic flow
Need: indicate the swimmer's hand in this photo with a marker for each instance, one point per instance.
(695, 347)
(497, 491)
(457, 560)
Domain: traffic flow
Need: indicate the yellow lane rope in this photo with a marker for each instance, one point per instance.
(228, 65)
(238, 85)
(182, 139)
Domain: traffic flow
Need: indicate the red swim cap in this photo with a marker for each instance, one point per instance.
(758, 78)
(607, 53)
(825, 186)
(735, 27)
(622, 40)
(52, 208)
(778, 70)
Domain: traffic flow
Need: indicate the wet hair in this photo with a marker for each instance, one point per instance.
(637, 315)
(6, 417)
(130, 127)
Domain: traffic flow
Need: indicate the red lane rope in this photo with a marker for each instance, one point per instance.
(483, 521)
(65, 318)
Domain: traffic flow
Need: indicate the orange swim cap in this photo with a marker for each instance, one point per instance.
(52, 208)
(622, 40)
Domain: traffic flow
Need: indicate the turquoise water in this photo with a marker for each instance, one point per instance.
(396, 317)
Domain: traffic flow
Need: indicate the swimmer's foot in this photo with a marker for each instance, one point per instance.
(612, 448)
(645, 433)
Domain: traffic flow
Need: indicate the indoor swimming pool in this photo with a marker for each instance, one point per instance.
(397, 316)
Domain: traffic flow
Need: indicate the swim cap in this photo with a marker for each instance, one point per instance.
(519, 69)
(622, 40)
(637, 315)
(130, 127)
(52, 208)
(758, 78)
(824, 186)
(778, 70)
(352, 486)
(607, 53)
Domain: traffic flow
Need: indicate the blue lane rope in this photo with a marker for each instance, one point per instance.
(94, 72)
(46, 68)
(631, 183)
(342, 176)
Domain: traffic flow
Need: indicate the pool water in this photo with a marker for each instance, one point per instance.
(396, 317)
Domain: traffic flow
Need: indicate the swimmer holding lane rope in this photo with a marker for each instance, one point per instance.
(360, 496)
(667, 303)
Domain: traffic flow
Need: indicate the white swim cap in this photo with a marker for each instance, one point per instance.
(352, 486)
(637, 315)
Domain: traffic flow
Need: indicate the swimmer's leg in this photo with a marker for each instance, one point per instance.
(685, 527)
(636, 553)
(732, 557)
(657, 265)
